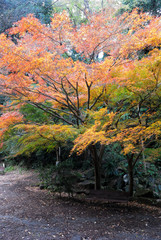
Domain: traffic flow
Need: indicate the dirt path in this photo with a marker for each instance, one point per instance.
(29, 213)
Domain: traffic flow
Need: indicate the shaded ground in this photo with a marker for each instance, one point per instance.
(29, 213)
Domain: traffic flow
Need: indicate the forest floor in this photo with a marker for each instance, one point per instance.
(28, 213)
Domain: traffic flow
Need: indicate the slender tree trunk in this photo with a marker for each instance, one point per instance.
(144, 162)
(102, 4)
(97, 171)
(154, 6)
(58, 152)
(131, 176)
(97, 161)
(86, 4)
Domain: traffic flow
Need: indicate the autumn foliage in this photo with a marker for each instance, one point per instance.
(96, 101)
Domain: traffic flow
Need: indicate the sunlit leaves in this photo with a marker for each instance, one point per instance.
(113, 99)
(48, 137)
(100, 130)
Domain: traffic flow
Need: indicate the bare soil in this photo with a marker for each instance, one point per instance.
(28, 213)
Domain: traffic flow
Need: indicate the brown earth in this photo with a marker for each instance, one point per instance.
(32, 214)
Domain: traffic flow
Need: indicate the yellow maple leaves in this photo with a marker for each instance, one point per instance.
(39, 68)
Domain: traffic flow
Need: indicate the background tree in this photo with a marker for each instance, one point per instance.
(133, 118)
(151, 6)
(12, 11)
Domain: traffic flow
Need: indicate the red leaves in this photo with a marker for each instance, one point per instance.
(35, 70)
(8, 119)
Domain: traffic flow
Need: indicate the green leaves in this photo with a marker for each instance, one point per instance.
(34, 114)
(46, 137)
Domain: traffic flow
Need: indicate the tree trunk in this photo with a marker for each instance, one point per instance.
(102, 4)
(131, 177)
(154, 7)
(58, 152)
(97, 170)
(86, 5)
(97, 161)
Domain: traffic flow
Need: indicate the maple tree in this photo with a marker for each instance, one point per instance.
(39, 70)
(133, 117)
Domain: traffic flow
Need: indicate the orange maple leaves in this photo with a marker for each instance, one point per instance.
(8, 119)
(36, 68)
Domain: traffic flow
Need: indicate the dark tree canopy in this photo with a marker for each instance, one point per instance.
(13, 10)
(152, 6)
